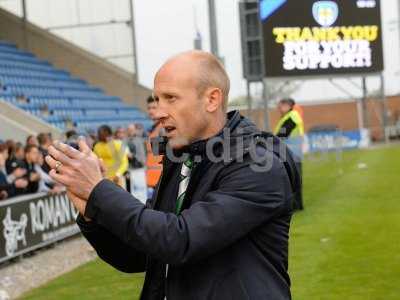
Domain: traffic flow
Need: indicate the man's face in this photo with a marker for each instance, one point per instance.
(103, 135)
(32, 141)
(3, 158)
(120, 134)
(33, 155)
(131, 131)
(283, 108)
(5, 154)
(47, 141)
(19, 154)
(151, 110)
(180, 110)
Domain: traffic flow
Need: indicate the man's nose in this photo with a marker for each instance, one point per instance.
(160, 113)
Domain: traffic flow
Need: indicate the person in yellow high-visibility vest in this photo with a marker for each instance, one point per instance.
(291, 128)
(114, 155)
(291, 123)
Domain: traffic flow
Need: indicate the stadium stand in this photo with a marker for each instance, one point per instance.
(58, 98)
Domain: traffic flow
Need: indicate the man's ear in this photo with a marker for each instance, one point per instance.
(214, 99)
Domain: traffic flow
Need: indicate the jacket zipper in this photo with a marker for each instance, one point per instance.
(156, 196)
(167, 265)
(166, 277)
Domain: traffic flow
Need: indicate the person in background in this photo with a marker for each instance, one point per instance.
(10, 144)
(136, 181)
(32, 157)
(137, 146)
(297, 107)
(31, 140)
(72, 138)
(152, 111)
(46, 183)
(16, 157)
(45, 141)
(9, 183)
(397, 123)
(291, 128)
(113, 154)
(3, 181)
(15, 161)
(291, 122)
(153, 162)
(11, 147)
(91, 138)
(120, 134)
(5, 187)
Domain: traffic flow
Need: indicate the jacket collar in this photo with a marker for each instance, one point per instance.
(199, 147)
(236, 125)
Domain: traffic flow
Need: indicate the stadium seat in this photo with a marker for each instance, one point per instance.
(57, 97)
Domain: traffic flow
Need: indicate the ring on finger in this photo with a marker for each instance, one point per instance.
(58, 166)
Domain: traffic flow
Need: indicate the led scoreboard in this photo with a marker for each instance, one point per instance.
(308, 37)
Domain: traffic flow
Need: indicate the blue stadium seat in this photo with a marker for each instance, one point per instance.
(57, 97)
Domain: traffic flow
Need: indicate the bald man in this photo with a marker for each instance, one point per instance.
(217, 226)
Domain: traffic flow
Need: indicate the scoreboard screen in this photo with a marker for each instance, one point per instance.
(309, 37)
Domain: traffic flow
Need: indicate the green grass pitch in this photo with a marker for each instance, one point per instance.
(345, 245)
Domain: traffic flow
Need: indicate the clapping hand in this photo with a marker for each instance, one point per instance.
(78, 170)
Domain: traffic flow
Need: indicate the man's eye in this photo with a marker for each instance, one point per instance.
(170, 98)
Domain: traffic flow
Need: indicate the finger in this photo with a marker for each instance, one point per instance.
(60, 156)
(52, 163)
(60, 178)
(62, 169)
(83, 146)
(67, 150)
(103, 168)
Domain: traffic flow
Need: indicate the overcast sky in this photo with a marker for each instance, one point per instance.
(164, 28)
(168, 27)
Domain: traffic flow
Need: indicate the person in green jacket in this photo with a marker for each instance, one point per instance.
(291, 128)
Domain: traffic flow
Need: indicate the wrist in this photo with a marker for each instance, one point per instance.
(90, 208)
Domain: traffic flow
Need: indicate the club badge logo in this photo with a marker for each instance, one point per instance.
(13, 232)
(325, 12)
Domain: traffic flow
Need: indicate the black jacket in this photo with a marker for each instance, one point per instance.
(13, 163)
(33, 186)
(229, 242)
(5, 186)
(286, 129)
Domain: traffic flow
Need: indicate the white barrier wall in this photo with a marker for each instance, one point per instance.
(17, 124)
